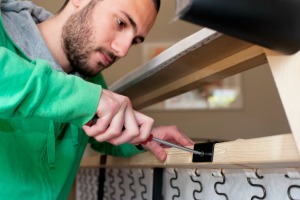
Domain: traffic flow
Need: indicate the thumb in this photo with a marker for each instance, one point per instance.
(158, 151)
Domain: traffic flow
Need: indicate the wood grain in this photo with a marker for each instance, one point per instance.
(203, 57)
(286, 73)
(265, 152)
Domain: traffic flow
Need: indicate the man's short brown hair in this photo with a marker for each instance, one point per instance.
(155, 2)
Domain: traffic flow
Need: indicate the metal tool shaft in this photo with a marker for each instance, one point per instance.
(177, 146)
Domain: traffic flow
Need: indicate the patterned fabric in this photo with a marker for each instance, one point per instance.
(189, 184)
(87, 184)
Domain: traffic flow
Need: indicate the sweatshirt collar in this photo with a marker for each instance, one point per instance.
(20, 20)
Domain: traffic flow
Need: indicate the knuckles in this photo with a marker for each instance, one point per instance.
(115, 142)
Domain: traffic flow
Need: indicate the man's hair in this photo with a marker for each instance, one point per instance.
(156, 4)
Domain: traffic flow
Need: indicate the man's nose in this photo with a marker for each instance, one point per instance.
(122, 45)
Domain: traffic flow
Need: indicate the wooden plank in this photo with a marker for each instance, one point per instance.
(266, 152)
(239, 62)
(203, 53)
(286, 73)
(89, 161)
(164, 59)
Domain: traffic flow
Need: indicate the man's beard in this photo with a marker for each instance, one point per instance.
(78, 41)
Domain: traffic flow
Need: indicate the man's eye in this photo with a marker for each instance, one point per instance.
(120, 23)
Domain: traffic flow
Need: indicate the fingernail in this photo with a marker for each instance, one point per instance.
(162, 156)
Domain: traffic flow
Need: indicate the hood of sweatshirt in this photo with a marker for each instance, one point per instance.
(20, 19)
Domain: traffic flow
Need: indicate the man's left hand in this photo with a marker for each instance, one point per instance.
(169, 133)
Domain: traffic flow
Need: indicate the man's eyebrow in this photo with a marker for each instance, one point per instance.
(133, 24)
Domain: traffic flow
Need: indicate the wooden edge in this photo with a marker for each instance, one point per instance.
(286, 71)
(266, 152)
(90, 161)
(162, 60)
(241, 61)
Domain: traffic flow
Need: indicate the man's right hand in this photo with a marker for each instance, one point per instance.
(118, 123)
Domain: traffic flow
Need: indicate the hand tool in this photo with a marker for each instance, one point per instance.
(151, 138)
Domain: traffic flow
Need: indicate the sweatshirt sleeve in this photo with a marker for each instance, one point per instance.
(34, 89)
(124, 150)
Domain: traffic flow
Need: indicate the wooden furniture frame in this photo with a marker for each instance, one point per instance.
(204, 57)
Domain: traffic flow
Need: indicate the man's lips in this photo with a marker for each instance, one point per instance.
(106, 59)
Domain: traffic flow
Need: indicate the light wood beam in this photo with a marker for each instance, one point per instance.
(286, 73)
(201, 58)
(265, 152)
(248, 58)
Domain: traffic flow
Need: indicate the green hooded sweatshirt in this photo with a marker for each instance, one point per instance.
(42, 111)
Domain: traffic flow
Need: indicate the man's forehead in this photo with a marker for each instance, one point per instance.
(140, 13)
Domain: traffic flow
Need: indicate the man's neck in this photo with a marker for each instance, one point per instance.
(51, 30)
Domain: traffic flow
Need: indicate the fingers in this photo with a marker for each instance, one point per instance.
(105, 129)
(158, 151)
(172, 134)
(118, 122)
(145, 124)
(110, 106)
(130, 128)
(132, 133)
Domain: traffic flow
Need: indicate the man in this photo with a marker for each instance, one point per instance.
(44, 107)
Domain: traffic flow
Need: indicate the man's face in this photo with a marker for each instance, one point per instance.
(103, 31)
